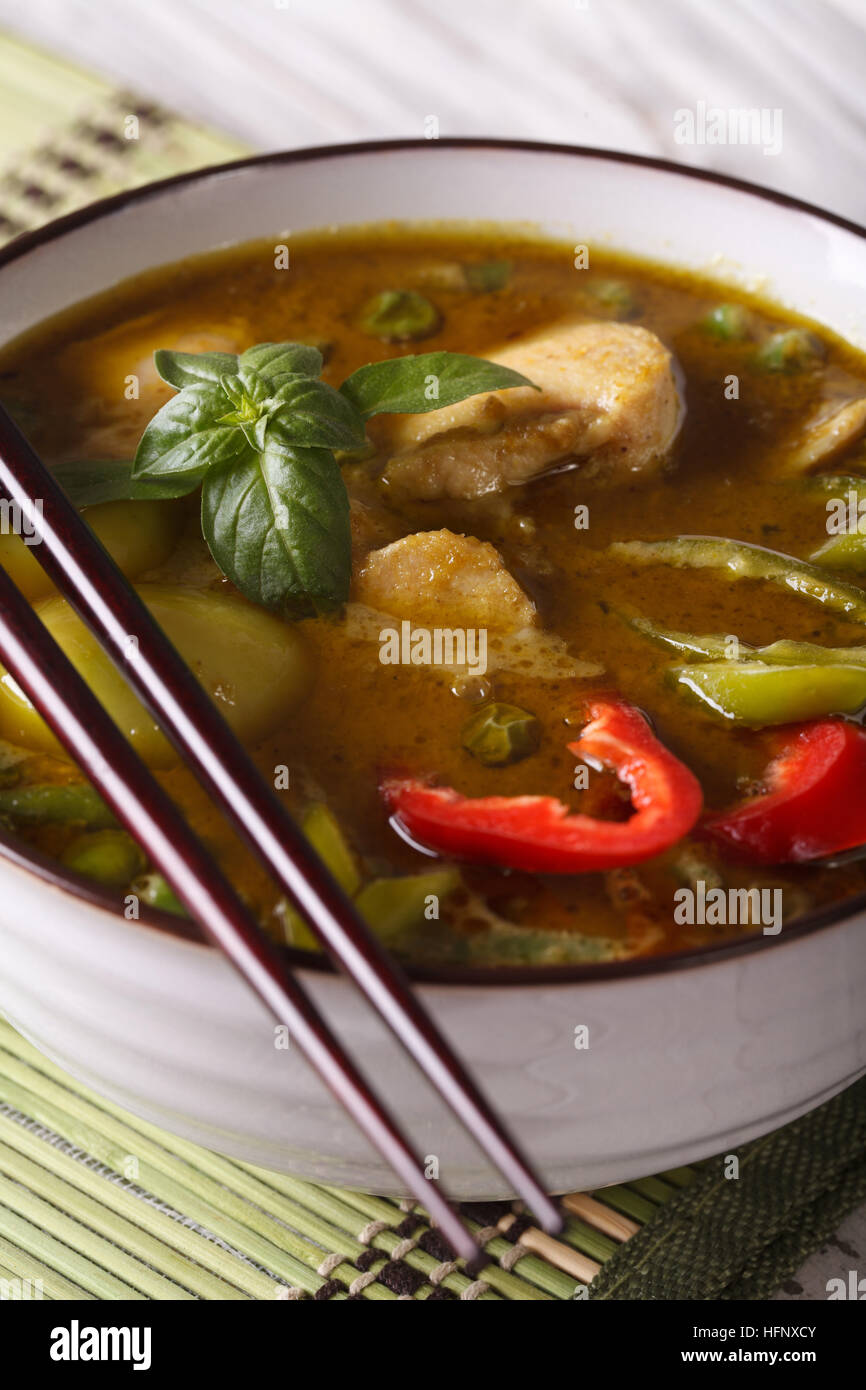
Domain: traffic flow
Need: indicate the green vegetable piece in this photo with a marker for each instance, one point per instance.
(836, 484)
(691, 865)
(846, 552)
(155, 891)
(793, 350)
(110, 857)
(788, 653)
(394, 907)
(714, 646)
(486, 276)
(758, 695)
(322, 829)
(718, 648)
(498, 734)
(73, 804)
(508, 944)
(616, 298)
(728, 323)
(399, 316)
(742, 560)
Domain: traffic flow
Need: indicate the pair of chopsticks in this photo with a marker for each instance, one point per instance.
(87, 576)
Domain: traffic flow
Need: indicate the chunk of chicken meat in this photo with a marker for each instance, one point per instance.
(123, 357)
(443, 579)
(608, 400)
(827, 437)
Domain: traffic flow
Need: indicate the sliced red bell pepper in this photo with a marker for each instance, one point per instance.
(538, 833)
(815, 803)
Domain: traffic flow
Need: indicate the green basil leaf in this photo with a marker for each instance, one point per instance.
(277, 524)
(257, 386)
(280, 359)
(185, 438)
(310, 414)
(231, 384)
(415, 384)
(90, 482)
(192, 368)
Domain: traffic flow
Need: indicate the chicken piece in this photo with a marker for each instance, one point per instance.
(117, 381)
(370, 528)
(608, 399)
(442, 579)
(826, 438)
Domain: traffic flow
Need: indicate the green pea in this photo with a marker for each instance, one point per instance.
(155, 891)
(486, 276)
(793, 350)
(616, 297)
(729, 323)
(399, 316)
(499, 734)
(110, 857)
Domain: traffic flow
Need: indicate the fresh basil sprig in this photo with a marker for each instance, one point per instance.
(258, 433)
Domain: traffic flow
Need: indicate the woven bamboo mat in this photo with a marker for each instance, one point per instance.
(97, 1204)
(67, 138)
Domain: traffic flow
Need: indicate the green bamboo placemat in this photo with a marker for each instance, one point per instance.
(68, 138)
(95, 1203)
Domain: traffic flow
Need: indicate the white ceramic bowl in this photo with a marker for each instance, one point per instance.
(688, 1055)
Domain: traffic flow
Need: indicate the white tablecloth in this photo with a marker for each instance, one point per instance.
(281, 73)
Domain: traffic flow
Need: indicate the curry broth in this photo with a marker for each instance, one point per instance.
(361, 717)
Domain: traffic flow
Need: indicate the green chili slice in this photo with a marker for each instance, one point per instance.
(846, 552)
(77, 802)
(742, 560)
(394, 907)
(155, 891)
(110, 857)
(757, 695)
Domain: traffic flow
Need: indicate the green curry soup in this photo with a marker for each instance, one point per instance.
(505, 600)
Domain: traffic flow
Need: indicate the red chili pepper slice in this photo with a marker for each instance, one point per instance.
(816, 802)
(538, 833)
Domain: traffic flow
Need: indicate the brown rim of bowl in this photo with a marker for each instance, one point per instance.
(50, 871)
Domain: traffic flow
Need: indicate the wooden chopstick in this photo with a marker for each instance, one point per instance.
(69, 707)
(87, 576)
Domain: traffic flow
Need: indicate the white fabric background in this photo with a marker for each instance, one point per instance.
(281, 73)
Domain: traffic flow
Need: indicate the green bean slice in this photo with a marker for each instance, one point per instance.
(742, 560)
(110, 857)
(74, 802)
